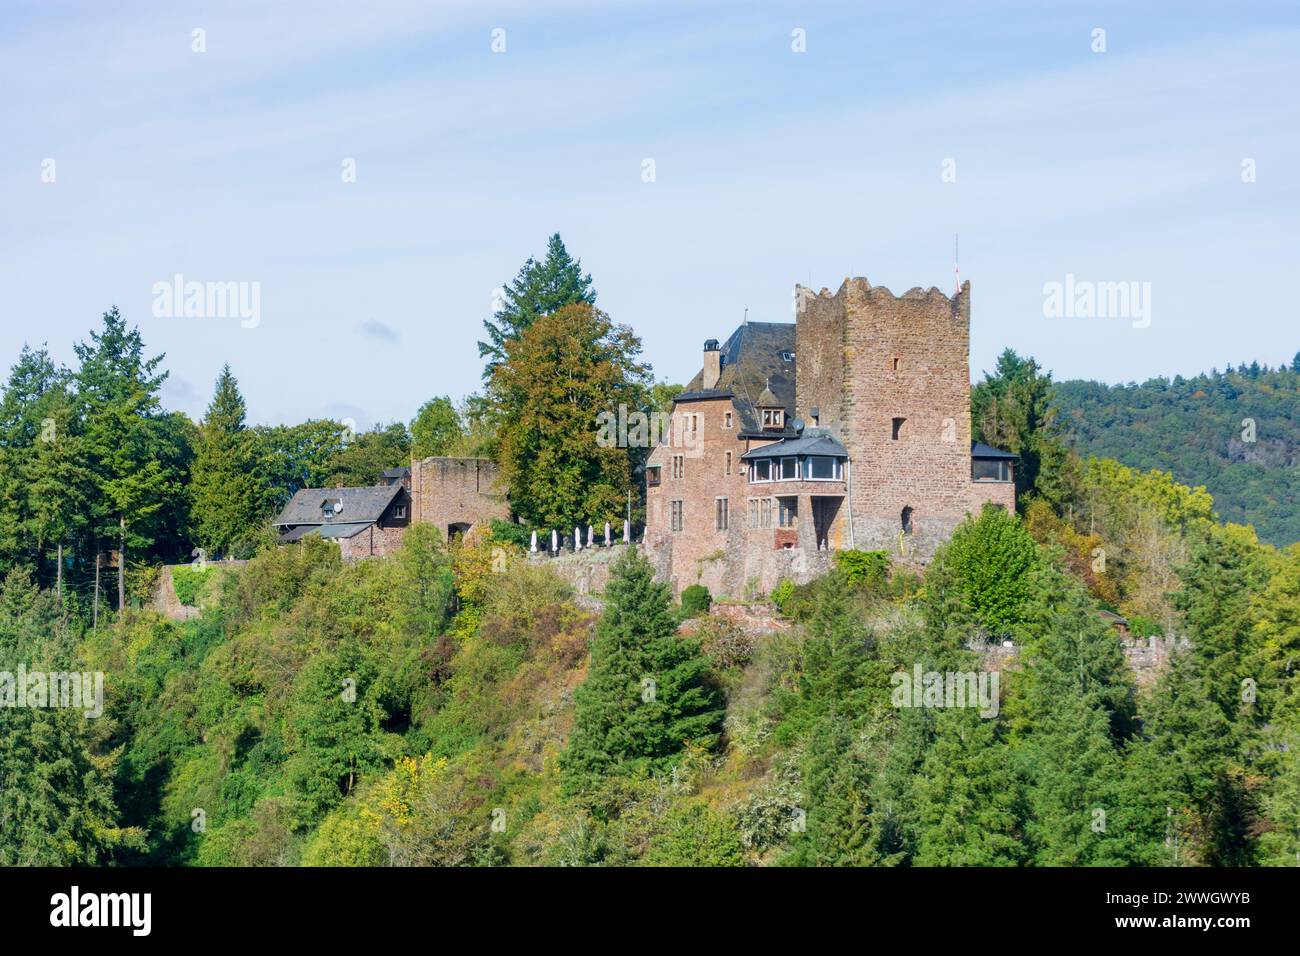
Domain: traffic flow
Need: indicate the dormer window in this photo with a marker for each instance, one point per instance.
(771, 410)
(331, 507)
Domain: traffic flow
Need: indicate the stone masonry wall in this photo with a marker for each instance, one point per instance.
(374, 542)
(737, 561)
(452, 491)
(898, 357)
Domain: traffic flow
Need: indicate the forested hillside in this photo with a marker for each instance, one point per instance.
(441, 708)
(1235, 432)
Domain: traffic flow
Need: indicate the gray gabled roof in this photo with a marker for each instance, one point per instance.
(359, 505)
(813, 441)
(342, 529)
(980, 450)
(758, 355)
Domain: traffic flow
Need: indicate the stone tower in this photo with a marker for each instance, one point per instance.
(891, 376)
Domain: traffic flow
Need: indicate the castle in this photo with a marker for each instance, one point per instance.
(848, 429)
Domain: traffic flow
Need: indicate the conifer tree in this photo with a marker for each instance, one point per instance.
(647, 693)
(968, 806)
(1013, 409)
(59, 484)
(225, 483)
(540, 288)
(128, 443)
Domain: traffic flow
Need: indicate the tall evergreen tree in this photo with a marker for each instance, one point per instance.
(540, 288)
(968, 801)
(227, 488)
(60, 486)
(127, 438)
(647, 693)
(1013, 409)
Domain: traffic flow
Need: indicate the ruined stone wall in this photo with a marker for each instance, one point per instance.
(456, 491)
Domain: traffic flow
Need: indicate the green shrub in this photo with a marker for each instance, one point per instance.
(697, 836)
(868, 569)
(795, 601)
(783, 595)
(507, 532)
(1145, 627)
(696, 601)
(188, 580)
(725, 643)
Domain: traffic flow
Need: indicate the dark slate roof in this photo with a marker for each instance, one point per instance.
(980, 450)
(342, 529)
(813, 441)
(359, 505)
(402, 471)
(700, 394)
(754, 358)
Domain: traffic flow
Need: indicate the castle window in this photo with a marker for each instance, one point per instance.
(898, 428)
(753, 512)
(990, 469)
(895, 363)
(789, 468)
(728, 466)
(823, 468)
(720, 513)
(726, 419)
(652, 475)
(789, 512)
(399, 511)
(679, 466)
(907, 520)
(675, 515)
(773, 418)
(765, 512)
(762, 470)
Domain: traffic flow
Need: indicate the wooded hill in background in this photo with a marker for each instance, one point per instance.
(1201, 429)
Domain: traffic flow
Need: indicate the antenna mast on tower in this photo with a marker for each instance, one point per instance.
(956, 269)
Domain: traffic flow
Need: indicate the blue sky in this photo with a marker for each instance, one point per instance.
(771, 167)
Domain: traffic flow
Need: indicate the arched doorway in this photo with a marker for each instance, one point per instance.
(457, 530)
(907, 520)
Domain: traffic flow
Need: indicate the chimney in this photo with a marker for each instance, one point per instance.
(712, 364)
